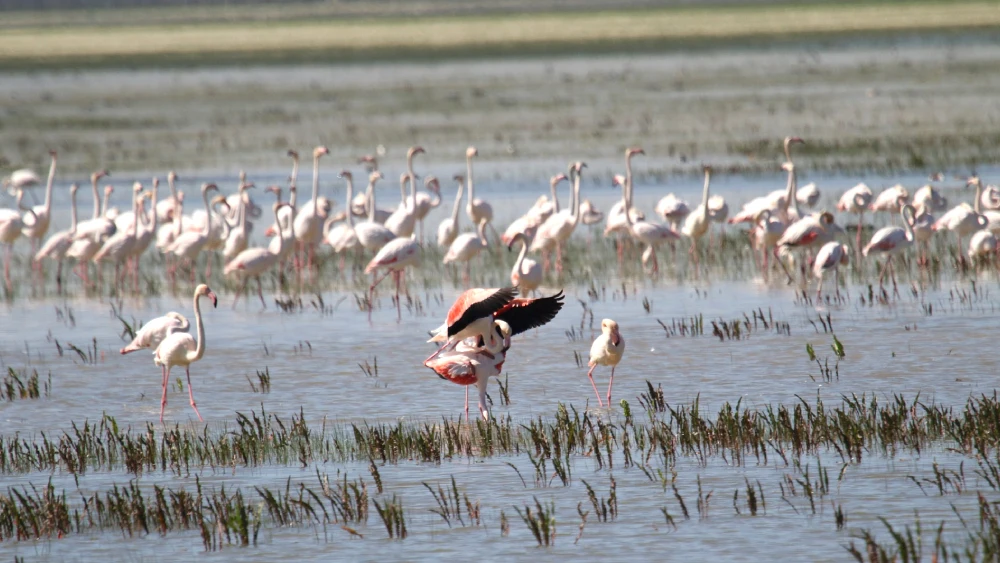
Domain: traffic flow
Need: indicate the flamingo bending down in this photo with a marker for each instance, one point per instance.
(812, 231)
(856, 200)
(253, 262)
(467, 246)
(58, 244)
(472, 314)
(892, 241)
(526, 274)
(154, 331)
(607, 350)
(395, 257)
(982, 245)
(889, 199)
(589, 213)
(181, 349)
(474, 365)
(537, 215)
(448, 229)
(672, 209)
(650, 234)
(830, 257)
(11, 224)
(37, 229)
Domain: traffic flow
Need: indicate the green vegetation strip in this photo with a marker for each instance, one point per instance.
(333, 39)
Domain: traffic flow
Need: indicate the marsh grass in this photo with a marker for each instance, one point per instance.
(17, 385)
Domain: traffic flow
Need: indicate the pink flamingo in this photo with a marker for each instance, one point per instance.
(892, 241)
(253, 262)
(830, 257)
(394, 257)
(181, 349)
(153, 332)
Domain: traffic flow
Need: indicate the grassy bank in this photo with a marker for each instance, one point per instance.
(473, 35)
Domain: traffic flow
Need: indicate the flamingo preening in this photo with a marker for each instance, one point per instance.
(830, 257)
(156, 330)
(181, 349)
(254, 262)
(526, 274)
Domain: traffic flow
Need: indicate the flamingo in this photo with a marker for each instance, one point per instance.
(769, 230)
(181, 349)
(650, 234)
(253, 262)
(923, 230)
(371, 234)
(929, 199)
(472, 315)
(607, 350)
(696, 224)
(589, 214)
(308, 225)
(808, 195)
(477, 209)
(342, 237)
(856, 200)
(425, 202)
(526, 274)
(963, 219)
(11, 224)
(559, 227)
(119, 246)
(809, 232)
(239, 235)
(890, 199)
(982, 245)
(672, 209)
(241, 200)
(448, 229)
(153, 332)
(189, 244)
(892, 241)
(403, 220)
(615, 219)
(37, 230)
(167, 209)
(473, 365)
(467, 246)
(537, 215)
(990, 199)
(91, 234)
(830, 257)
(19, 180)
(395, 257)
(58, 244)
(146, 233)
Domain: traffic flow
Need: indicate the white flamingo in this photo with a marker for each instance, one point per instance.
(607, 350)
(889, 200)
(559, 227)
(425, 202)
(153, 332)
(167, 208)
(526, 274)
(477, 209)
(91, 234)
(448, 229)
(342, 237)
(650, 234)
(403, 220)
(181, 349)
(58, 244)
(118, 247)
(537, 215)
(466, 247)
(830, 257)
(36, 230)
(697, 223)
(239, 235)
(982, 246)
(856, 201)
(930, 199)
(372, 235)
(309, 219)
(672, 209)
(11, 224)
(189, 244)
(963, 219)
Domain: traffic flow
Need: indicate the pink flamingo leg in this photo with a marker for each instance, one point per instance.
(590, 374)
(191, 395)
(399, 312)
(239, 292)
(6, 267)
(371, 292)
(610, 383)
(466, 404)
(260, 293)
(559, 266)
(163, 399)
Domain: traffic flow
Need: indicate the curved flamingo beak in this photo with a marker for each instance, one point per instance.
(215, 300)
(616, 337)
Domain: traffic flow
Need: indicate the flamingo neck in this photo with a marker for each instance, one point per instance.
(468, 178)
(979, 191)
(481, 231)
(520, 257)
(97, 198)
(208, 214)
(370, 199)
(135, 213)
(347, 205)
(315, 210)
(199, 350)
(457, 206)
(628, 181)
(575, 200)
(704, 198)
(152, 222)
(792, 200)
(282, 231)
(107, 201)
(295, 174)
(555, 198)
(72, 210)
(48, 186)
(908, 221)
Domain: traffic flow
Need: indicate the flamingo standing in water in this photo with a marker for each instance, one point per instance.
(58, 244)
(539, 213)
(11, 224)
(963, 219)
(253, 262)
(607, 350)
(477, 209)
(526, 274)
(856, 200)
(308, 225)
(342, 237)
(189, 244)
(892, 241)
(37, 230)
(467, 246)
(397, 255)
(830, 257)
(371, 234)
(812, 231)
(474, 365)
(425, 202)
(650, 234)
(982, 246)
(559, 227)
(448, 229)
(471, 315)
(154, 331)
(181, 349)
(698, 221)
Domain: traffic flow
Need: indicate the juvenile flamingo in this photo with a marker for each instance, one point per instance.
(181, 349)
(154, 331)
(607, 350)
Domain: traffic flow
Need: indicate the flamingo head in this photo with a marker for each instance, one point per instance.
(558, 178)
(346, 174)
(432, 184)
(617, 180)
(610, 328)
(459, 178)
(293, 154)
(973, 180)
(73, 188)
(788, 166)
(320, 151)
(203, 289)
(578, 167)
(631, 151)
(471, 152)
(789, 141)
(370, 161)
(208, 187)
(98, 175)
(375, 176)
(404, 178)
(137, 187)
(517, 236)
(414, 151)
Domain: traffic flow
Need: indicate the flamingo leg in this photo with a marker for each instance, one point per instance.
(590, 374)
(858, 238)
(781, 262)
(163, 398)
(6, 267)
(260, 293)
(466, 404)
(191, 394)
(610, 383)
(559, 259)
(371, 292)
(240, 291)
(885, 268)
(398, 276)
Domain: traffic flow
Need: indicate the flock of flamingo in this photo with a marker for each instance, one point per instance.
(479, 326)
